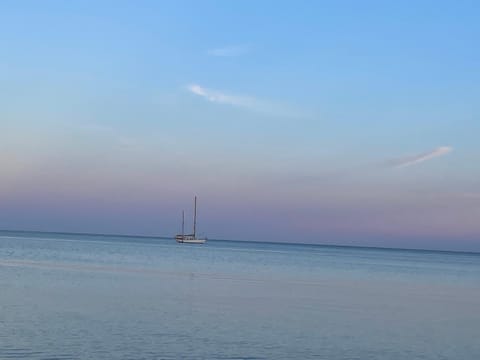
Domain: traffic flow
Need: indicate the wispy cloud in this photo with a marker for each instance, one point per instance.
(419, 158)
(363, 170)
(246, 102)
(222, 98)
(241, 101)
(229, 51)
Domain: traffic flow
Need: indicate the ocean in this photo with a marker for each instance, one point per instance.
(65, 296)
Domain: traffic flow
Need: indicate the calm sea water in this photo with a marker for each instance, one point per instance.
(101, 297)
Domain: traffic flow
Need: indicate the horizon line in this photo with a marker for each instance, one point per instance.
(246, 241)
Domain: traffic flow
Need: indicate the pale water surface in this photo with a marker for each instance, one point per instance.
(102, 297)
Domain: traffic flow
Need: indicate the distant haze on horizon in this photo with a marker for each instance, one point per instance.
(327, 122)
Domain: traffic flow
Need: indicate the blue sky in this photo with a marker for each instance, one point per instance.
(329, 122)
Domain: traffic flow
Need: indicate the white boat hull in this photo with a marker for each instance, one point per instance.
(192, 241)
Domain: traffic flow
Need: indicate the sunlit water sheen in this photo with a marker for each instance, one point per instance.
(95, 297)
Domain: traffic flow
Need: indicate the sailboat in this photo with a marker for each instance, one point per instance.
(190, 238)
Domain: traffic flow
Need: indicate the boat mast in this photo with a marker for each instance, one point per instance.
(183, 224)
(195, 218)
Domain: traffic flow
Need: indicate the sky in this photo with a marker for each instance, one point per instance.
(332, 122)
